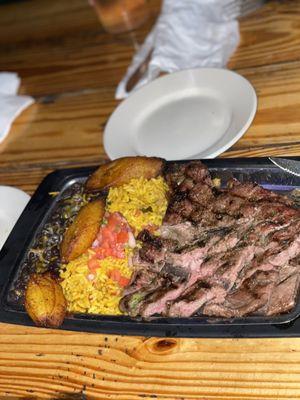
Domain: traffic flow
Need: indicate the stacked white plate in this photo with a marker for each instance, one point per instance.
(12, 203)
(196, 113)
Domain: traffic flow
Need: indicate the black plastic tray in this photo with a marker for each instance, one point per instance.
(38, 211)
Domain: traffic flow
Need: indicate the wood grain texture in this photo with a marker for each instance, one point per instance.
(69, 127)
(52, 364)
(72, 68)
(269, 36)
(65, 48)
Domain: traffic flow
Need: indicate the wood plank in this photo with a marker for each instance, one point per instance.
(62, 47)
(269, 36)
(51, 363)
(281, 150)
(69, 128)
(52, 22)
(28, 177)
(58, 47)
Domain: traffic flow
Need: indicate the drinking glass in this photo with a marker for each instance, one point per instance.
(119, 16)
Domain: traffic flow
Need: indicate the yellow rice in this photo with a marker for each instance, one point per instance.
(102, 294)
(98, 296)
(142, 202)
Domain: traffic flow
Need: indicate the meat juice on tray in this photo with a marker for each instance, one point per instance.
(220, 252)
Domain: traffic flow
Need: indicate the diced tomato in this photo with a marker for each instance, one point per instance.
(114, 274)
(122, 237)
(120, 254)
(93, 264)
(115, 253)
(114, 220)
(123, 281)
(107, 235)
(112, 237)
(117, 228)
(92, 254)
(100, 253)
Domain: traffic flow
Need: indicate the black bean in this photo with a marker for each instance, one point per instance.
(46, 255)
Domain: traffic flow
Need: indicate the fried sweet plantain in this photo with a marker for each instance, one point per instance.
(122, 170)
(83, 231)
(45, 302)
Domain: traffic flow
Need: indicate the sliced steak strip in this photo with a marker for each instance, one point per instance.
(229, 204)
(194, 297)
(229, 309)
(291, 251)
(183, 233)
(254, 193)
(158, 306)
(266, 211)
(173, 218)
(198, 172)
(140, 279)
(152, 249)
(201, 194)
(204, 218)
(186, 185)
(192, 259)
(283, 297)
(250, 298)
(188, 307)
(174, 175)
(174, 273)
(182, 207)
(293, 267)
(288, 231)
(227, 273)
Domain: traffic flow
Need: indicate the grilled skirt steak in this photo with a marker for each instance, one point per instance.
(220, 252)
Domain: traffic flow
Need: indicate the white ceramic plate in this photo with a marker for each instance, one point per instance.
(196, 113)
(12, 203)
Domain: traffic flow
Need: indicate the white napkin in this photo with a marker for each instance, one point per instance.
(11, 105)
(187, 34)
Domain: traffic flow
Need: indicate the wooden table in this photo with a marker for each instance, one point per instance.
(72, 67)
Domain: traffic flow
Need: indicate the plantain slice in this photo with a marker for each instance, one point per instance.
(83, 231)
(44, 300)
(122, 170)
